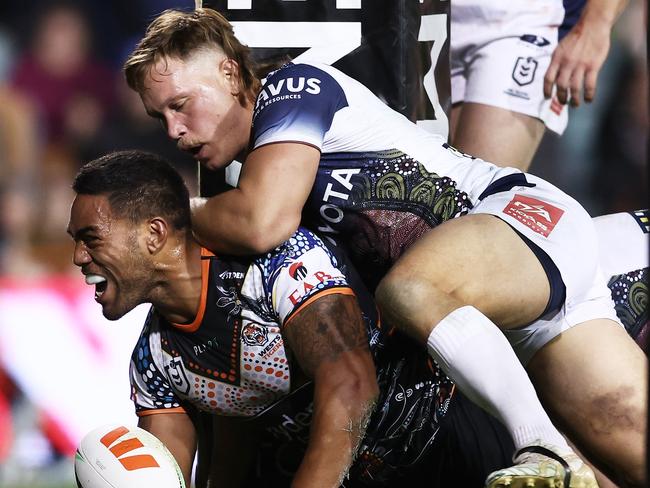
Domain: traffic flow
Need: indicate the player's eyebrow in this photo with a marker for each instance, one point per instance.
(81, 232)
(154, 113)
(166, 103)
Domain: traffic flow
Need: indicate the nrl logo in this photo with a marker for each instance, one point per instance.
(524, 71)
(176, 373)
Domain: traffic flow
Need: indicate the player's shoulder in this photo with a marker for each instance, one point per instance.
(305, 78)
(303, 248)
(300, 243)
(301, 69)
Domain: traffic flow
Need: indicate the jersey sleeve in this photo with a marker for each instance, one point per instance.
(298, 272)
(297, 104)
(151, 391)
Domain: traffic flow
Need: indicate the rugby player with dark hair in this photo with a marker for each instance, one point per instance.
(287, 338)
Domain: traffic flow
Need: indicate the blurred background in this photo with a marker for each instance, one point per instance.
(63, 101)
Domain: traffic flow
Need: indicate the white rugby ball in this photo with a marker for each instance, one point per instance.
(116, 456)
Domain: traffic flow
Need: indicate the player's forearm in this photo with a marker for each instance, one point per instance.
(233, 223)
(339, 423)
(329, 341)
(601, 13)
(177, 433)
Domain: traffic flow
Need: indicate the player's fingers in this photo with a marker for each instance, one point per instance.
(562, 84)
(577, 80)
(549, 78)
(590, 84)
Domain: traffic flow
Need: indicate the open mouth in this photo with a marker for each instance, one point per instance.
(99, 282)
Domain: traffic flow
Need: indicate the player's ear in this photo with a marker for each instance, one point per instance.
(230, 70)
(156, 234)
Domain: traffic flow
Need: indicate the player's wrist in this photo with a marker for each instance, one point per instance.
(599, 18)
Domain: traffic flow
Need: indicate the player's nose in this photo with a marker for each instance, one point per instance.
(175, 128)
(80, 255)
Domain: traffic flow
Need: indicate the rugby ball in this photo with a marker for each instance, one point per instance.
(115, 456)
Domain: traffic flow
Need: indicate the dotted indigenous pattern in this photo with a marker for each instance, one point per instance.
(155, 391)
(263, 382)
(377, 204)
(301, 242)
(393, 180)
(264, 375)
(298, 244)
(630, 295)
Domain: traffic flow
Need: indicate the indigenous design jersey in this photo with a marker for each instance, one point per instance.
(232, 359)
(380, 185)
(630, 295)
(414, 395)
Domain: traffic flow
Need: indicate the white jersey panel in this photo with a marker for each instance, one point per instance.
(478, 20)
(344, 116)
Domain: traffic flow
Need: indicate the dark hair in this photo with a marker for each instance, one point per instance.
(139, 185)
(179, 34)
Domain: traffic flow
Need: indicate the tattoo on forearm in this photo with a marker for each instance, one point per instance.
(325, 329)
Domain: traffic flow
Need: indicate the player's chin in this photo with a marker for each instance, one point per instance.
(113, 311)
(215, 163)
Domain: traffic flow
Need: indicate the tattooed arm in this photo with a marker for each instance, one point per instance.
(329, 341)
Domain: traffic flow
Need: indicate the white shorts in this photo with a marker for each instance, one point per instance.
(624, 241)
(504, 66)
(559, 226)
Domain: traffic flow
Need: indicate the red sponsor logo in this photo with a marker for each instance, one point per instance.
(298, 271)
(540, 216)
(307, 285)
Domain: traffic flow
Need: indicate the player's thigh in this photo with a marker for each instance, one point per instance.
(593, 379)
(496, 134)
(477, 260)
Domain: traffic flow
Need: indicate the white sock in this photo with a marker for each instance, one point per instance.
(474, 353)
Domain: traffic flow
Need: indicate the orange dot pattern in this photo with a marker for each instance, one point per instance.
(263, 379)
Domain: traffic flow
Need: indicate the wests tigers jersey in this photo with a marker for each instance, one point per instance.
(232, 360)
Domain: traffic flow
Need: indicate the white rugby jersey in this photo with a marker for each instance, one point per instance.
(321, 106)
(382, 181)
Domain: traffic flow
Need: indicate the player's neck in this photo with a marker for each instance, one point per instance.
(178, 292)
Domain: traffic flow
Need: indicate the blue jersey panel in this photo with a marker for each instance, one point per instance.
(572, 11)
(297, 103)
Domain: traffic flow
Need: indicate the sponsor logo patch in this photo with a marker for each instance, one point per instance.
(524, 71)
(307, 285)
(254, 334)
(535, 40)
(538, 215)
(298, 271)
(232, 275)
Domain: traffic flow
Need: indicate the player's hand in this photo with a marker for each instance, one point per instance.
(576, 62)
